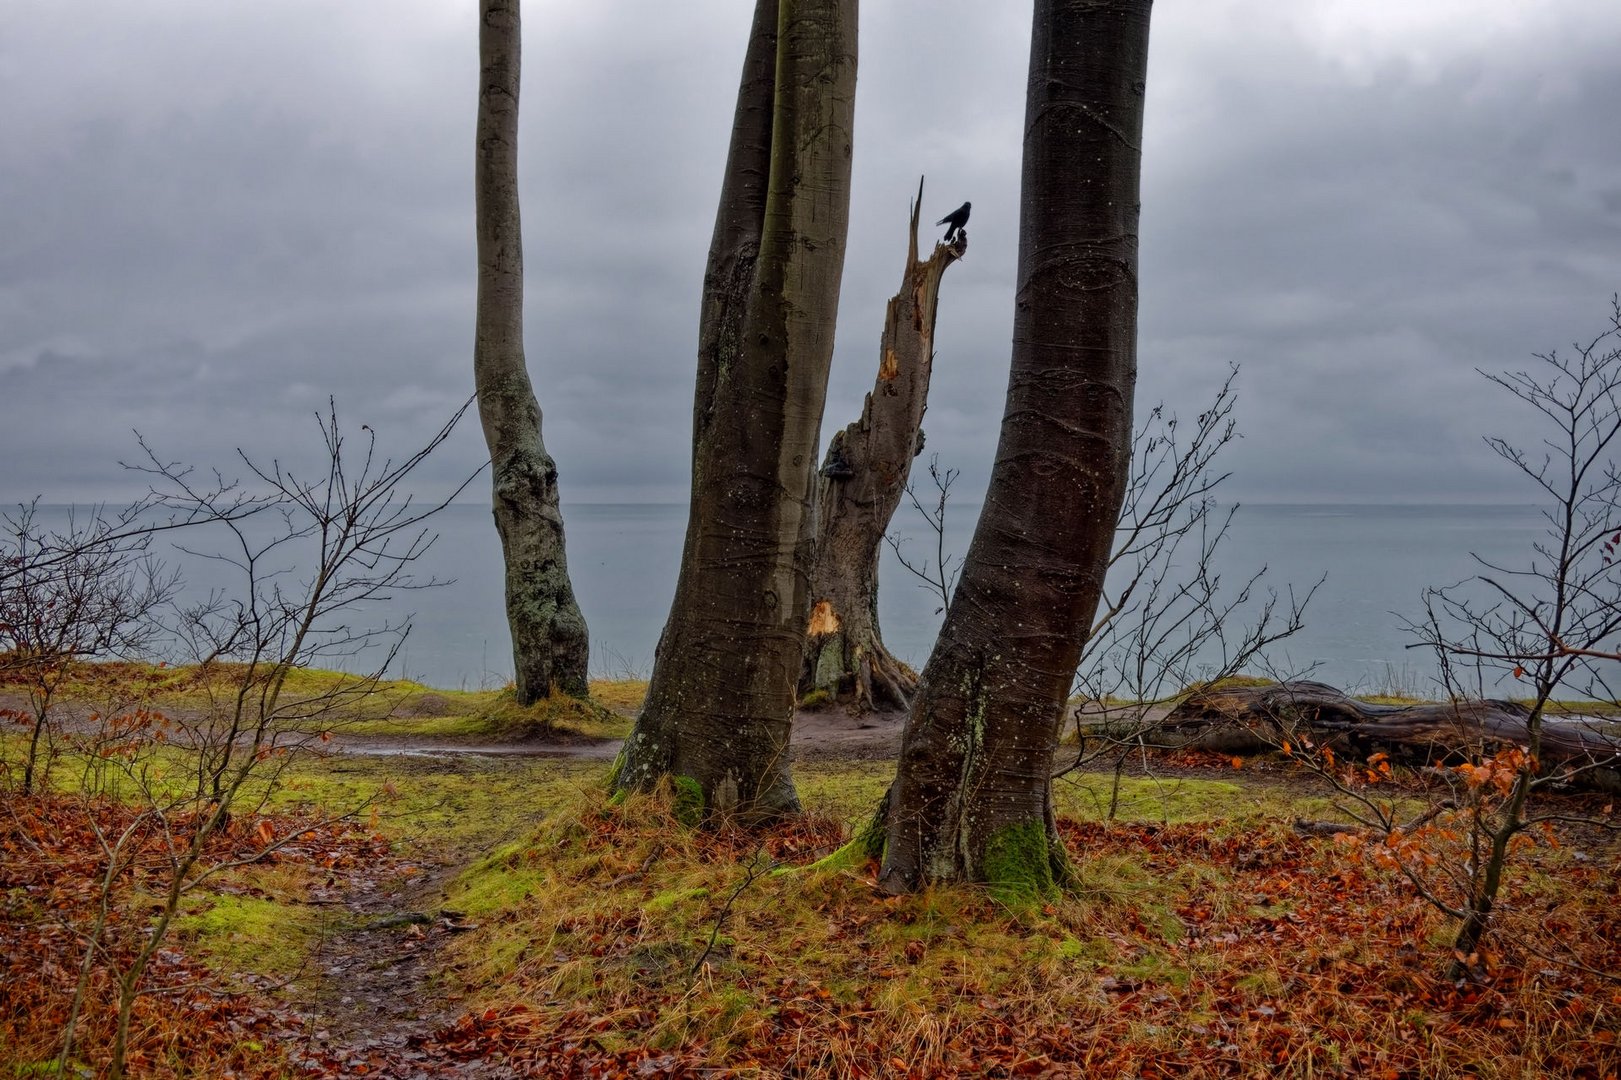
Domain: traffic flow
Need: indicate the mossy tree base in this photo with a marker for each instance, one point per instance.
(852, 666)
(740, 780)
(1026, 862)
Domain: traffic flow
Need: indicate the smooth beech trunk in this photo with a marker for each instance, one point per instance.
(860, 486)
(721, 698)
(971, 800)
(550, 645)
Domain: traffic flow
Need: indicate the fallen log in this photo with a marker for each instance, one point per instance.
(1253, 719)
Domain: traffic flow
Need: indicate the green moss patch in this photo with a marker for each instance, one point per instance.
(688, 806)
(243, 934)
(1018, 864)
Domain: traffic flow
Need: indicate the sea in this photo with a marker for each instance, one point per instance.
(1373, 561)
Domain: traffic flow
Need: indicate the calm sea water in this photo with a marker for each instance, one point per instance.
(623, 561)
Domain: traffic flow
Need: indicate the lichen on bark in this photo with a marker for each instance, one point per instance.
(550, 643)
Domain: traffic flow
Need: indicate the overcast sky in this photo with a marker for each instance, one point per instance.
(214, 215)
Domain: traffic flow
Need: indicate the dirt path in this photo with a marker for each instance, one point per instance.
(835, 734)
(413, 746)
(378, 985)
(373, 996)
(817, 736)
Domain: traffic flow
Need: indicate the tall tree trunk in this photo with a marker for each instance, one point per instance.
(971, 799)
(860, 486)
(721, 698)
(550, 645)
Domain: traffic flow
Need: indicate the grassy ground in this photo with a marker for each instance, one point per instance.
(352, 705)
(1215, 944)
(1205, 939)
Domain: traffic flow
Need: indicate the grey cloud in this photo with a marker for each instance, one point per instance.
(229, 212)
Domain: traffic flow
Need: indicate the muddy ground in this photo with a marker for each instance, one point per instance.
(820, 735)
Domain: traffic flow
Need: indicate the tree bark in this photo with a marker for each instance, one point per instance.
(1251, 718)
(721, 698)
(972, 799)
(550, 644)
(860, 486)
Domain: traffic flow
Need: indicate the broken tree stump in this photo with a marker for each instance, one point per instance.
(862, 480)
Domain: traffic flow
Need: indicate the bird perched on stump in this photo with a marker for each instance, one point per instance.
(837, 466)
(956, 219)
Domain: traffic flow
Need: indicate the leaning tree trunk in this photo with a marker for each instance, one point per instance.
(972, 797)
(721, 698)
(861, 484)
(550, 646)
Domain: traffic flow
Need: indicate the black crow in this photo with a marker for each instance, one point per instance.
(956, 219)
